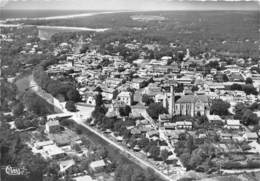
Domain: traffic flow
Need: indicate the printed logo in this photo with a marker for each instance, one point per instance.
(16, 171)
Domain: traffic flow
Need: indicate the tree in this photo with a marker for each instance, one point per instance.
(249, 81)
(101, 152)
(249, 118)
(73, 95)
(84, 48)
(53, 168)
(194, 88)
(124, 172)
(137, 175)
(125, 111)
(70, 106)
(213, 64)
(195, 159)
(99, 113)
(179, 88)
(108, 123)
(239, 110)
(143, 142)
(249, 89)
(36, 104)
(185, 157)
(147, 99)
(164, 155)
(202, 120)
(154, 151)
(254, 106)
(155, 109)
(225, 78)
(236, 87)
(220, 107)
(18, 109)
(19, 124)
(99, 99)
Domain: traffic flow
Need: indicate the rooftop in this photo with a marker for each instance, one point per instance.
(96, 164)
(193, 99)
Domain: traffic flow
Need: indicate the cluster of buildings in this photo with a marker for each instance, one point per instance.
(180, 89)
(63, 145)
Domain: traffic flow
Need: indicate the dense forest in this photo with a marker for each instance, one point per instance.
(233, 33)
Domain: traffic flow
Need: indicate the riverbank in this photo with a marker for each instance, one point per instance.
(27, 83)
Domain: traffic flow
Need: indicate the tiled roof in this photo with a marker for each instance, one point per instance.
(193, 99)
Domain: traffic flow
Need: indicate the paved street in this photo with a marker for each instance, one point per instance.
(80, 121)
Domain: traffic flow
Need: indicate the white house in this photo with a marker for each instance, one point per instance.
(97, 165)
(232, 124)
(126, 97)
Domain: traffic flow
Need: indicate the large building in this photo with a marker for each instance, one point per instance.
(126, 97)
(192, 105)
(52, 126)
(187, 105)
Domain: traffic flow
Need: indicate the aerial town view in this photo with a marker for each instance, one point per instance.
(118, 90)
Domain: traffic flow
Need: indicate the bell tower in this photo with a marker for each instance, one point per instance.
(171, 108)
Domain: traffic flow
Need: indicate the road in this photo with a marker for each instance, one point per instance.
(180, 170)
(80, 121)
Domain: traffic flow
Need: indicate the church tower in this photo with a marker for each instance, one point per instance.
(171, 107)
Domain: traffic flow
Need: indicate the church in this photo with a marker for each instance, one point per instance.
(192, 105)
(187, 105)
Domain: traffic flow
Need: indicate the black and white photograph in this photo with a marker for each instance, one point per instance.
(129, 90)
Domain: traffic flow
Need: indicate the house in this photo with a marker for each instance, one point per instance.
(40, 145)
(113, 82)
(173, 135)
(66, 164)
(90, 98)
(138, 83)
(159, 98)
(232, 124)
(126, 97)
(53, 151)
(164, 118)
(152, 90)
(213, 71)
(136, 131)
(213, 86)
(215, 119)
(226, 137)
(153, 134)
(83, 178)
(235, 77)
(97, 166)
(116, 105)
(192, 105)
(251, 136)
(185, 80)
(136, 148)
(183, 125)
(169, 126)
(52, 126)
(166, 59)
(108, 93)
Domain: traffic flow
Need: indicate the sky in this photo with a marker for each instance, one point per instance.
(132, 4)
